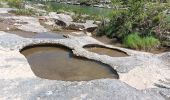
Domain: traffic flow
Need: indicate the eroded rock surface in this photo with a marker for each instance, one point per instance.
(24, 23)
(66, 21)
(5, 10)
(143, 76)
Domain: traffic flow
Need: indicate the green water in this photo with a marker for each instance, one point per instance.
(79, 9)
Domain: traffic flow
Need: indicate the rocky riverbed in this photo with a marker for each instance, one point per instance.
(142, 76)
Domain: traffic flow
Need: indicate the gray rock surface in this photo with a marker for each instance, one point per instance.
(61, 19)
(88, 26)
(5, 10)
(143, 76)
(67, 22)
(24, 23)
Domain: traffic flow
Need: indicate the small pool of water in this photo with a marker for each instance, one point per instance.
(105, 51)
(43, 35)
(58, 63)
(49, 35)
(22, 33)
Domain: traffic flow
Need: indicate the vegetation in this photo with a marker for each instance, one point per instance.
(135, 41)
(15, 3)
(146, 19)
(1, 5)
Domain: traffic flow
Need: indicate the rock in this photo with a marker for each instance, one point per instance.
(5, 10)
(98, 22)
(85, 16)
(142, 76)
(40, 5)
(36, 9)
(50, 23)
(29, 24)
(61, 19)
(89, 26)
(28, 7)
(67, 22)
(78, 33)
(88, 34)
(76, 26)
(4, 4)
(81, 33)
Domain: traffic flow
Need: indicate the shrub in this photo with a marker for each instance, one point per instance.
(1, 5)
(135, 41)
(15, 3)
(140, 16)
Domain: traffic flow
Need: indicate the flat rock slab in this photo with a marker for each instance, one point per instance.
(143, 76)
(24, 23)
(5, 10)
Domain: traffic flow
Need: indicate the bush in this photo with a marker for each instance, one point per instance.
(1, 5)
(135, 41)
(140, 16)
(125, 21)
(15, 3)
(144, 17)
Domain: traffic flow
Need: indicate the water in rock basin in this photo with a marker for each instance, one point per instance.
(49, 35)
(105, 51)
(43, 35)
(58, 63)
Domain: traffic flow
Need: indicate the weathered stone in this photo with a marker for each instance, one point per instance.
(61, 19)
(76, 26)
(88, 26)
(5, 10)
(30, 24)
(139, 70)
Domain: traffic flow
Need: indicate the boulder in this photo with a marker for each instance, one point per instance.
(5, 10)
(76, 26)
(61, 19)
(89, 26)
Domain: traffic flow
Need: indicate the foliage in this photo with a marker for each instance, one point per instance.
(1, 5)
(135, 41)
(15, 3)
(141, 16)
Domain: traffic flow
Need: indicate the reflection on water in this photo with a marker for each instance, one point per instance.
(106, 51)
(58, 63)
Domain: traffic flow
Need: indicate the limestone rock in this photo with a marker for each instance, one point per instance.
(61, 19)
(143, 76)
(30, 24)
(76, 26)
(88, 26)
(5, 10)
